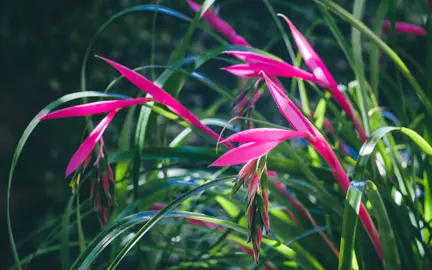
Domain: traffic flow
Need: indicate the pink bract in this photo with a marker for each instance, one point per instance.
(244, 153)
(320, 71)
(161, 96)
(89, 143)
(264, 135)
(94, 108)
(220, 25)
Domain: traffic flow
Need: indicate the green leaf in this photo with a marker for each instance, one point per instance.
(208, 155)
(366, 152)
(342, 41)
(429, 57)
(359, 66)
(355, 193)
(138, 8)
(114, 230)
(282, 31)
(374, 50)
(175, 80)
(64, 241)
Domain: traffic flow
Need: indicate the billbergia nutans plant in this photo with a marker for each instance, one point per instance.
(309, 148)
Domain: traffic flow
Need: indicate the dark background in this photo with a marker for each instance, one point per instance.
(42, 45)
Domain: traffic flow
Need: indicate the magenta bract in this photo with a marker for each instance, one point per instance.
(402, 28)
(264, 135)
(161, 96)
(220, 25)
(320, 71)
(94, 108)
(89, 143)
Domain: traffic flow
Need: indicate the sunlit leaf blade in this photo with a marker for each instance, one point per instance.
(359, 65)
(113, 231)
(354, 197)
(367, 150)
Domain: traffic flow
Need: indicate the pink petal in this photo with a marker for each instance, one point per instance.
(252, 70)
(89, 143)
(220, 25)
(247, 170)
(94, 108)
(320, 71)
(272, 67)
(255, 58)
(311, 58)
(245, 153)
(249, 70)
(300, 123)
(253, 186)
(161, 96)
(404, 28)
(158, 206)
(297, 120)
(264, 135)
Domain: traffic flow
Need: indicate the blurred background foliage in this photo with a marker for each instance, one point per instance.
(41, 51)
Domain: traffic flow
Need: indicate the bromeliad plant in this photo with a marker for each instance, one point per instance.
(305, 192)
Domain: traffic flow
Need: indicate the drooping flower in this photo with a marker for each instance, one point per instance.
(320, 71)
(255, 63)
(102, 190)
(220, 25)
(85, 149)
(300, 123)
(256, 143)
(402, 28)
(89, 144)
(94, 108)
(161, 96)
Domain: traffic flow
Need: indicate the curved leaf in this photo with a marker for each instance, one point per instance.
(354, 197)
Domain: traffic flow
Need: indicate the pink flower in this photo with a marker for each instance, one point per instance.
(102, 191)
(255, 63)
(94, 108)
(299, 122)
(85, 149)
(320, 71)
(257, 142)
(220, 25)
(89, 143)
(402, 28)
(161, 96)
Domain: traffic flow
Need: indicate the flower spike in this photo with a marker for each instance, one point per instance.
(89, 143)
(300, 123)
